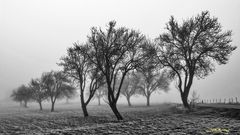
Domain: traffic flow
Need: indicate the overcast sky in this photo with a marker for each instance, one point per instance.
(34, 34)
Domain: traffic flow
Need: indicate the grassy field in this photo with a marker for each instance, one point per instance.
(68, 119)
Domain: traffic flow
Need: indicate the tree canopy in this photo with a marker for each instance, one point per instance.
(114, 52)
(191, 49)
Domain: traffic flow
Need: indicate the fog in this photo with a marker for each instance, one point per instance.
(35, 34)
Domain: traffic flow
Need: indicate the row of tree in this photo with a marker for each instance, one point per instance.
(51, 86)
(124, 61)
(144, 83)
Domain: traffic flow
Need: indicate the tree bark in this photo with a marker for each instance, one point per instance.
(185, 93)
(52, 109)
(148, 100)
(129, 102)
(184, 97)
(115, 111)
(84, 109)
(40, 105)
(83, 105)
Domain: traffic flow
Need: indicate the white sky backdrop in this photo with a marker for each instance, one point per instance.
(34, 34)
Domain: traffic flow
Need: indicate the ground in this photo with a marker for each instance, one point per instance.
(157, 119)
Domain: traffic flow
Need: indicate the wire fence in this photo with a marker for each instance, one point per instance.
(232, 100)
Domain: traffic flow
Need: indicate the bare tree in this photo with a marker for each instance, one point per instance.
(130, 86)
(56, 82)
(152, 80)
(77, 65)
(22, 94)
(190, 49)
(39, 93)
(115, 52)
(100, 94)
(71, 93)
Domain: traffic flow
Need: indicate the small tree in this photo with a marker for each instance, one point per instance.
(56, 83)
(194, 99)
(130, 86)
(190, 49)
(152, 80)
(114, 52)
(100, 94)
(22, 94)
(16, 97)
(39, 93)
(71, 93)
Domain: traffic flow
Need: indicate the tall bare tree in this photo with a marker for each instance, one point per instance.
(77, 65)
(115, 52)
(192, 48)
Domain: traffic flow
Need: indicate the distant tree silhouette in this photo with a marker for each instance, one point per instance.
(100, 94)
(39, 93)
(152, 80)
(114, 52)
(22, 94)
(70, 94)
(194, 98)
(190, 49)
(77, 65)
(130, 86)
(56, 83)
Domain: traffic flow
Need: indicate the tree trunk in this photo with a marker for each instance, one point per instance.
(52, 109)
(148, 100)
(84, 109)
(184, 97)
(185, 93)
(115, 111)
(40, 105)
(84, 106)
(128, 100)
(99, 101)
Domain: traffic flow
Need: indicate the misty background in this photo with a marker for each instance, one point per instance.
(34, 34)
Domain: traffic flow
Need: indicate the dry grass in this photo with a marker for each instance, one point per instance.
(68, 119)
